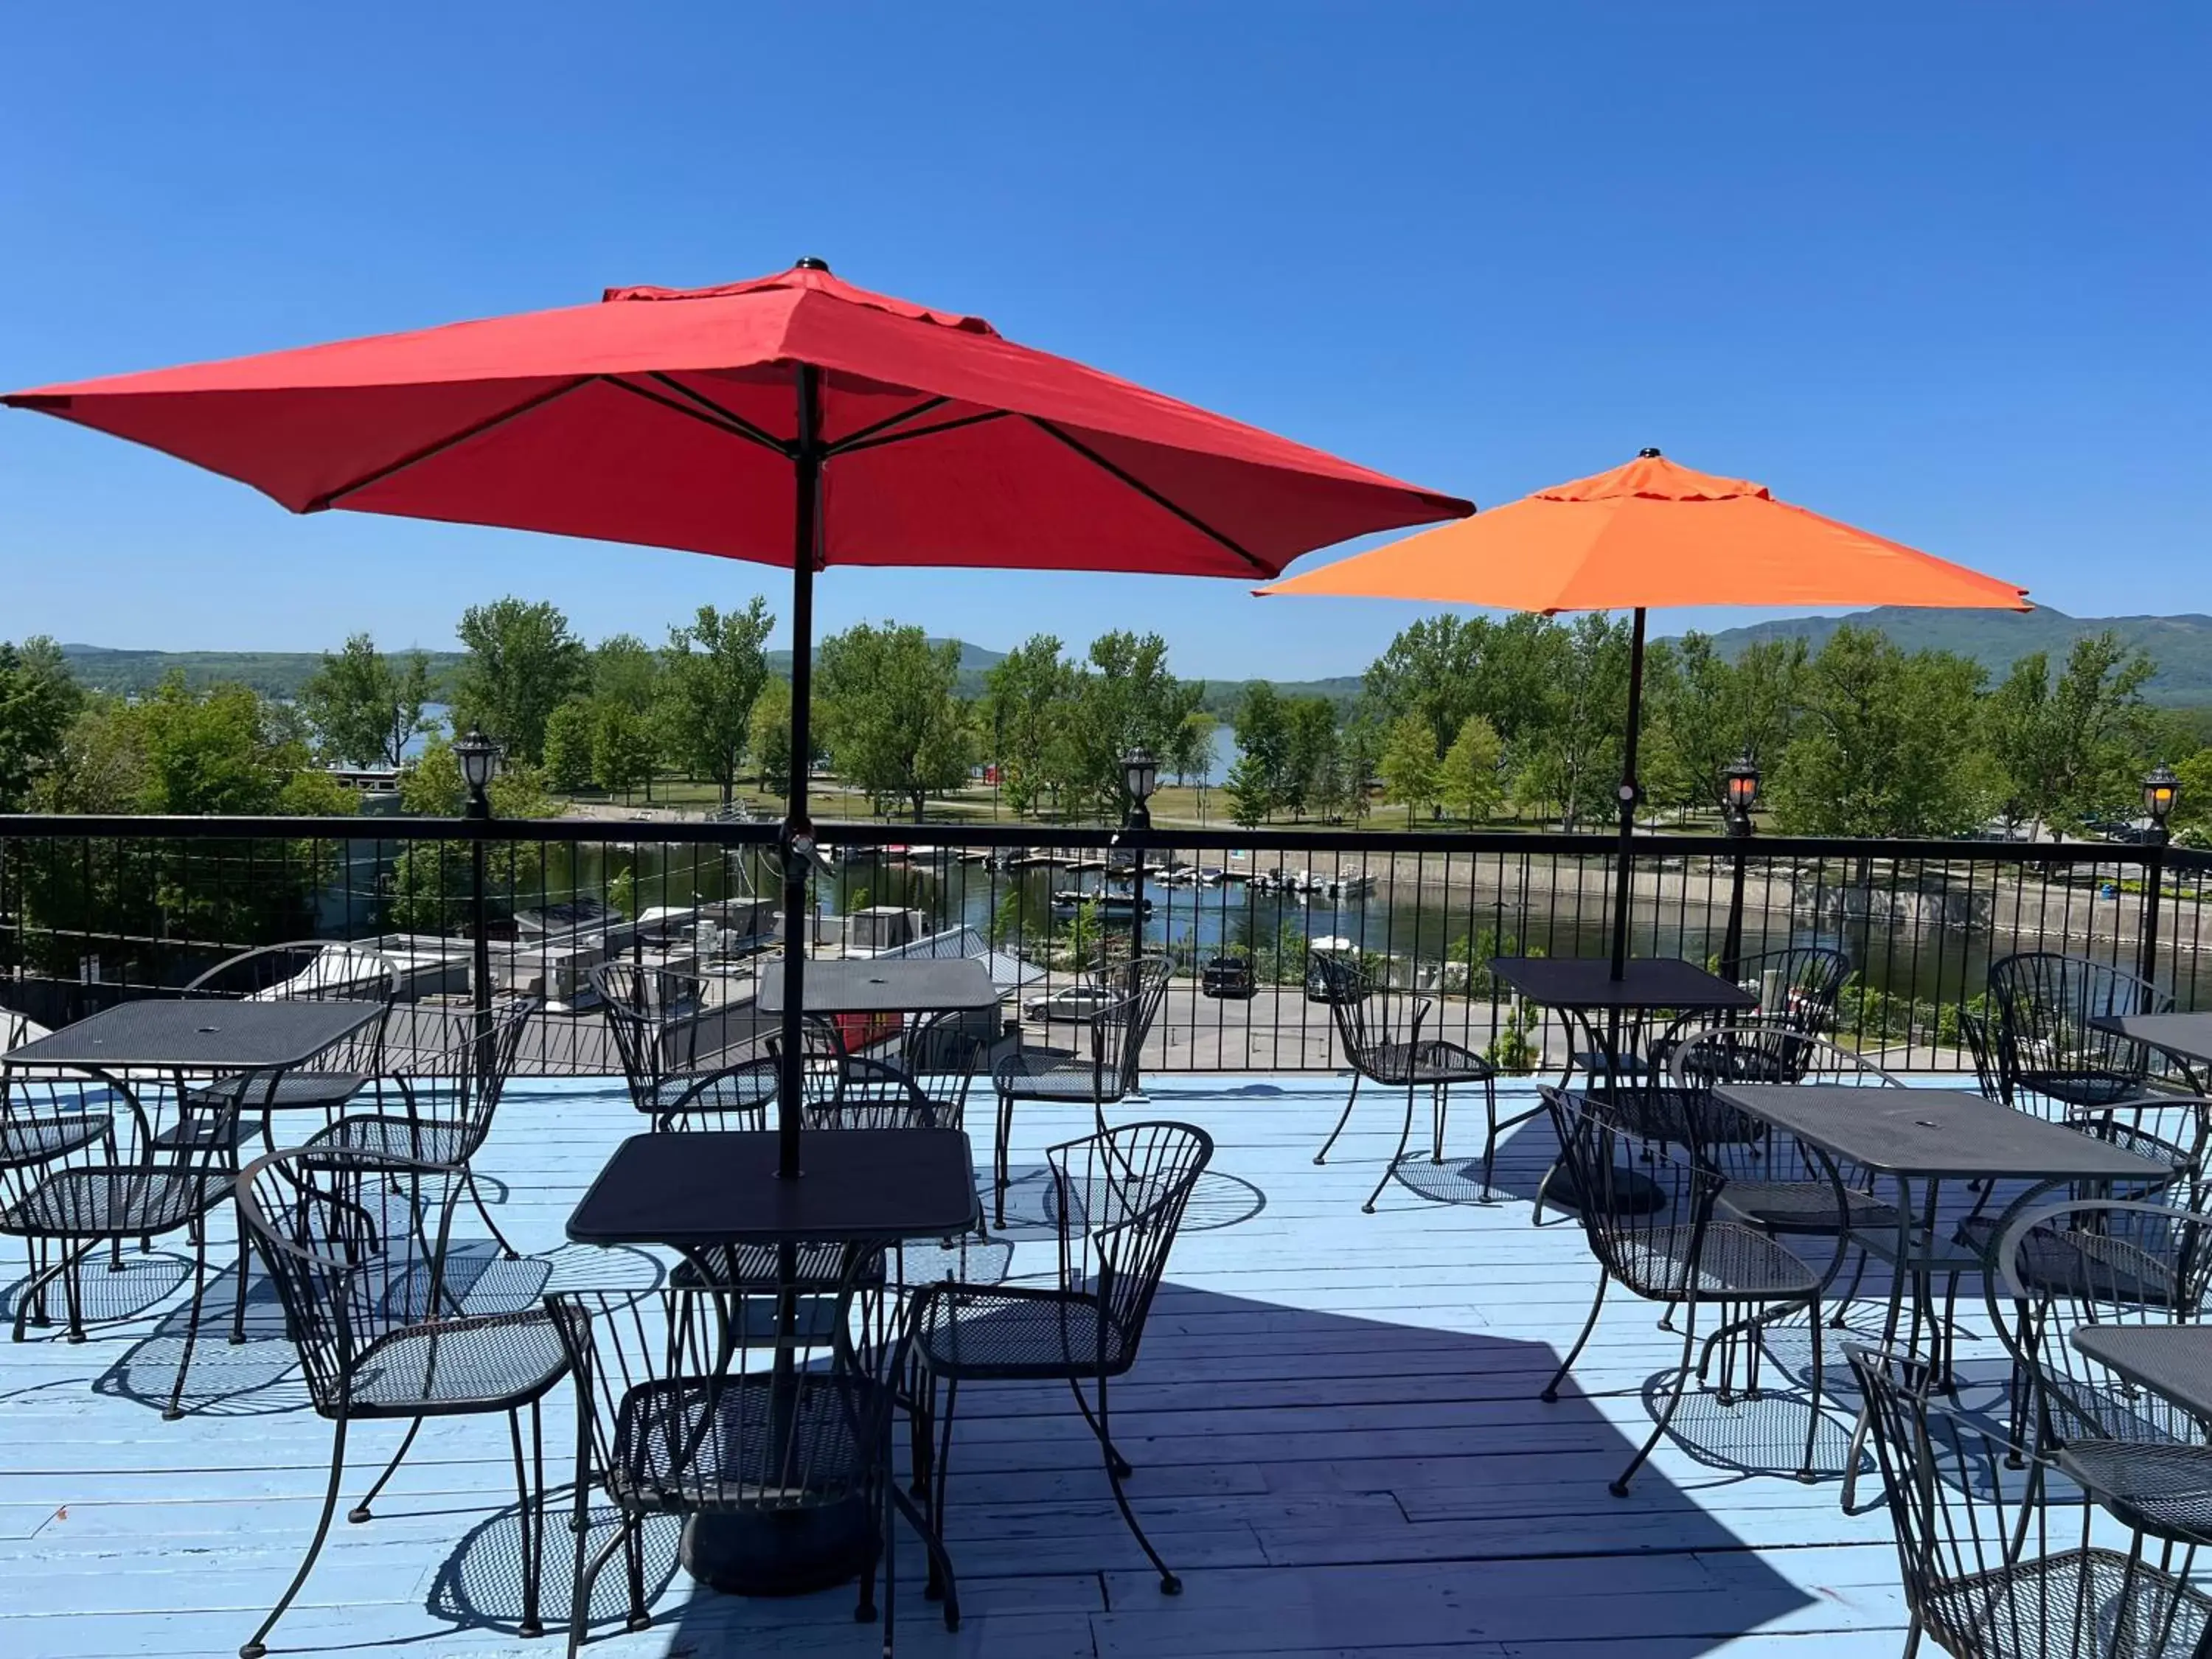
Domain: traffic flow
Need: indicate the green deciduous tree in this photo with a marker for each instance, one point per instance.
(522, 663)
(1263, 738)
(1469, 779)
(768, 738)
(1123, 698)
(365, 707)
(889, 713)
(1251, 798)
(569, 746)
(1026, 714)
(715, 670)
(1309, 725)
(1409, 765)
(39, 700)
(623, 749)
(2069, 748)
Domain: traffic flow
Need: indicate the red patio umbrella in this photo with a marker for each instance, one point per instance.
(792, 419)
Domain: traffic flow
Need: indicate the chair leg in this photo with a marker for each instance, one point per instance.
(1405, 1135)
(1343, 1118)
(362, 1511)
(1813, 1401)
(920, 1415)
(633, 1542)
(237, 1302)
(1439, 1104)
(192, 1315)
(527, 1517)
(1490, 1133)
(1119, 1464)
(259, 1645)
(940, 1466)
(1002, 1164)
(587, 1577)
(1551, 1395)
(1619, 1487)
(73, 1292)
(1170, 1585)
(507, 1251)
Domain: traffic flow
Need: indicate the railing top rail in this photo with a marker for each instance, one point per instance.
(1286, 838)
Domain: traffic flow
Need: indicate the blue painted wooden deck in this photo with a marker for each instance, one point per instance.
(1334, 1420)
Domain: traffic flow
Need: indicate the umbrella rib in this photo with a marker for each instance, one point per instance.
(759, 435)
(722, 424)
(851, 446)
(331, 498)
(1150, 493)
(888, 422)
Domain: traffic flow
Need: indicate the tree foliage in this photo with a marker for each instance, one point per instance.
(1468, 779)
(522, 663)
(715, 669)
(39, 700)
(365, 707)
(888, 713)
(1411, 773)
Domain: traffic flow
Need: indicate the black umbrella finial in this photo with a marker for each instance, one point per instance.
(810, 262)
(1648, 454)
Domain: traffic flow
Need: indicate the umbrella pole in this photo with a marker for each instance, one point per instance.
(1629, 792)
(798, 835)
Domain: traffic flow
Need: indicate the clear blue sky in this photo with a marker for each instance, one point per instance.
(1942, 270)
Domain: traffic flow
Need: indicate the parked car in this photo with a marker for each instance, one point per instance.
(1228, 978)
(1069, 1005)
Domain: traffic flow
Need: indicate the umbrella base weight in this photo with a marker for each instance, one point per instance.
(795, 1552)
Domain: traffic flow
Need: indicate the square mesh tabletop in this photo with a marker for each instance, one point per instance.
(868, 987)
(200, 1033)
(720, 1187)
(1647, 983)
(1937, 1134)
(2189, 1036)
(2171, 1361)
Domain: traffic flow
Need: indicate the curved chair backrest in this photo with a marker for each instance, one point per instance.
(1122, 1193)
(313, 970)
(17, 1030)
(1119, 1029)
(649, 1010)
(1962, 1527)
(1737, 1146)
(353, 1258)
(2047, 1049)
(1371, 1014)
(452, 1096)
(1798, 985)
(734, 1097)
(2112, 1263)
(49, 1124)
(1974, 1032)
(918, 1078)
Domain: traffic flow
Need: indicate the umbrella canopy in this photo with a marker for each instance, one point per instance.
(1651, 533)
(670, 417)
(795, 420)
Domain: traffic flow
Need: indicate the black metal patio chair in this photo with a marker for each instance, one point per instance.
(355, 1243)
(708, 1403)
(1676, 1251)
(302, 970)
(1120, 1196)
(2110, 1266)
(652, 1013)
(1379, 1025)
(70, 1183)
(1798, 986)
(1973, 1585)
(439, 1108)
(916, 1077)
(2050, 1060)
(1097, 1076)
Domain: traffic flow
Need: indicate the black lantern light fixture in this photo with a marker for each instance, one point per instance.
(1140, 775)
(479, 757)
(1740, 783)
(2161, 790)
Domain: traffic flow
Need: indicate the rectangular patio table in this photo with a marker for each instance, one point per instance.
(2171, 1361)
(1614, 1015)
(864, 986)
(709, 1194)
(2185, 1036)
(173, 1034)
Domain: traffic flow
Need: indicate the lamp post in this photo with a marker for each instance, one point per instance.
(2161, 790)
(1740, 787)
(479, 758)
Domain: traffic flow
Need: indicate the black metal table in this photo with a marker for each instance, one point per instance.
(864, 986)
(171, 1034)
(2171, 1361)
(1616, 1017)
(709, 1193)
(2185, 1035)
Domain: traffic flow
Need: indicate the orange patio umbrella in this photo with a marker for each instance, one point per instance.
(1651, 533)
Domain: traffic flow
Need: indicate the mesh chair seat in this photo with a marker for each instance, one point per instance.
(40, 1140)
(1047, 1074)
(488, 1363)
(418, 1141)
(1010, 1333)
(2065, 1604)
(216, 1127)
(819, 1269)
(1682, 1117)
(2087, 1086)
(1804, 1207)
(2163, 1490)
(2096, 1407)
(1729, 1261)
(2070, 1263)
(683, 1444)
(1426, 1062)
(294, 1090)
(116, 1203)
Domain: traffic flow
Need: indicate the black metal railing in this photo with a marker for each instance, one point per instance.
(96, 909)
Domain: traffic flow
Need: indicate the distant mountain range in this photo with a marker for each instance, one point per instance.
(2181, 647)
